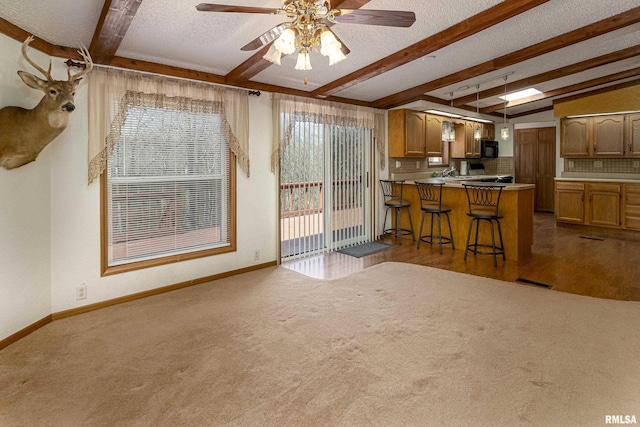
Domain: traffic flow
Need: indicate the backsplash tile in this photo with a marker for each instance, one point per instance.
(499, 166)
(603, 166)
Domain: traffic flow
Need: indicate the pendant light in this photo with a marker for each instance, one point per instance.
(504, 132)
(477, 134)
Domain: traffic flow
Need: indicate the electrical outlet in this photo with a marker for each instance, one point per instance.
(81, 292)
(256, 255)
(571, 164)
(636, 164)
(417, 164)
(597, 164)
(398, 164)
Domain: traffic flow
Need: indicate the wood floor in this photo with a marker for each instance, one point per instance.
(565, 258)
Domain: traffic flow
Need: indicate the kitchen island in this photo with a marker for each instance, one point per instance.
(516, 205)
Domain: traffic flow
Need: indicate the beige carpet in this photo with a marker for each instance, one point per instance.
(396, 344)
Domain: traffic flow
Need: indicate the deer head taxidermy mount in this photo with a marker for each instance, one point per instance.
(24, 133)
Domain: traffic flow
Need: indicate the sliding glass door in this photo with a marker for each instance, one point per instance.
(324, 190)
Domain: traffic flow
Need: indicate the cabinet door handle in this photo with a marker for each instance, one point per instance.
(595, 148)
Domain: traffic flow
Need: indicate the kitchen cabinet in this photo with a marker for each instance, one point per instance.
(607, 136)
(465, 146)
(434, 146)
(589, 203)
(597, 136)
(632, 137)
(570, 202)
(415, 134)
(603, 204)
(574, 138)
(631, 207)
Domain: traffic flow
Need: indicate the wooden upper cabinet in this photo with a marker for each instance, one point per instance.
(574, 137)
(488, 131)
(607, 136)
(632, 139)
(434, 136)
(471, 144)
(407, 133)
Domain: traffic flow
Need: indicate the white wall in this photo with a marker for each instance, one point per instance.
(62, 250)
(25, 278)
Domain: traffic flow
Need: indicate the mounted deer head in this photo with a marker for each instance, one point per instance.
(24, 133)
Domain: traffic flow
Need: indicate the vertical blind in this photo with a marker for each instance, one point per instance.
(322, 186)
(167, 179)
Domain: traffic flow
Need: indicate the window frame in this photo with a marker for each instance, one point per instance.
(107, 270)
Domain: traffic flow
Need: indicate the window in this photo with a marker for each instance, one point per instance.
(168, 190)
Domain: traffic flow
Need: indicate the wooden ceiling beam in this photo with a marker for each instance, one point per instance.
(256, 63)
(599, 91)
(565, 90)
(528, 113)
(483, 20)
(587, 32)
(553, 74)
(112, 26)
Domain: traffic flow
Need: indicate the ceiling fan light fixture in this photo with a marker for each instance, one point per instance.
(304, 62)
(286, 43)
(336, 57)
(273, 55)
(329, 43)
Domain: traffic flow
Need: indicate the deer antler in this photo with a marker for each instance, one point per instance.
(88, 65)
(25, 45)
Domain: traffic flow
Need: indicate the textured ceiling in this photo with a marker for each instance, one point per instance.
(174, 33)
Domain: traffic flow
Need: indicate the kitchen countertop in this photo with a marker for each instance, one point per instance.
(457, 182)
(621, 180)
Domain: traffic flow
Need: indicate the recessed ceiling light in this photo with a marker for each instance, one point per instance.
(520, 94)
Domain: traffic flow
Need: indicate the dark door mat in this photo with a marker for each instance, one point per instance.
(365, 249)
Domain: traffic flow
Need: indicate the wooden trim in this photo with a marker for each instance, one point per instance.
(483, 20)
(553, 74)
(106, 270)
(91, 307)
(527, 113)
(568, 89)
(24, 332)
(587, 32)
(157, 291)
(597, 91)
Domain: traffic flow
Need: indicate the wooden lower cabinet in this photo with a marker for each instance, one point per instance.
(603, 206)
(570, 202)
(597, 204)
(632, 207)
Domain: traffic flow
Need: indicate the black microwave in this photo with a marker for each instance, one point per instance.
(488, 149)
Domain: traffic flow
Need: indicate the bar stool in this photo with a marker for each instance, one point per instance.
(484, 201)
(430, 193)
(392, 191)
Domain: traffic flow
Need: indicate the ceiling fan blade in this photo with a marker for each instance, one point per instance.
(209, 7)
(265, 38)
(388, 18)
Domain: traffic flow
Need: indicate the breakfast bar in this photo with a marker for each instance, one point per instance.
(516, 206)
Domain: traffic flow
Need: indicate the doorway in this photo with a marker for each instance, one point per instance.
(325, 196)
(535, 163)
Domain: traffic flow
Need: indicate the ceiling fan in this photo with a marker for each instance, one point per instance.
(309, 28)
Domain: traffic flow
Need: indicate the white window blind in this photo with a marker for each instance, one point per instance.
(168, 186)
